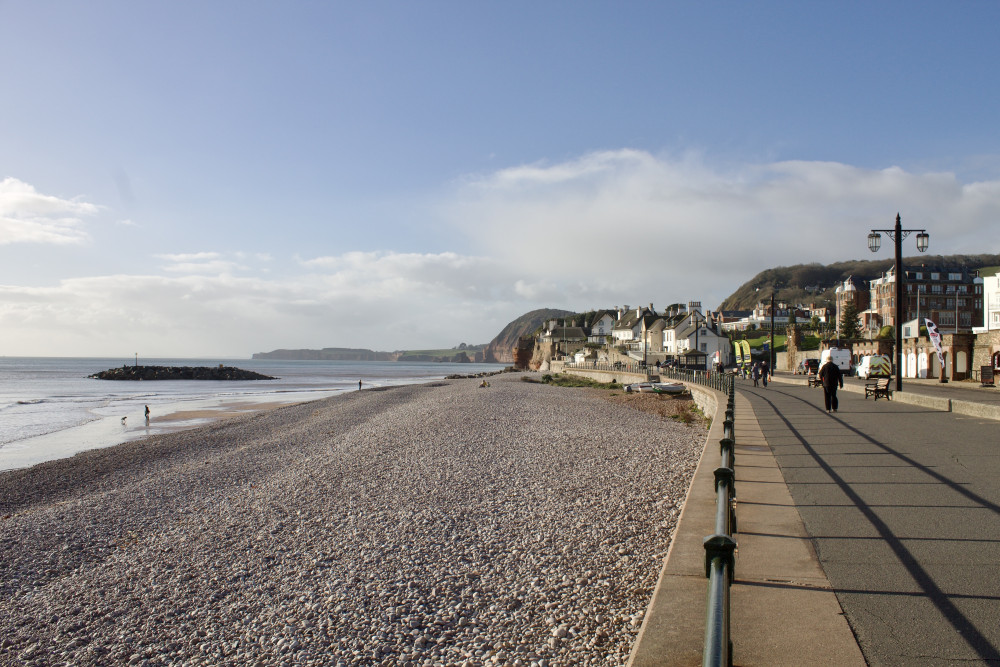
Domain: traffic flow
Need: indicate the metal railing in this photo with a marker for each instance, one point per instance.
(620, 367)
(713, 379)
(720, 547)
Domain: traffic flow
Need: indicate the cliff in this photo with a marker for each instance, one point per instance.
(501, 349)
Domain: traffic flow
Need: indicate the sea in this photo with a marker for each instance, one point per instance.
(51, 409)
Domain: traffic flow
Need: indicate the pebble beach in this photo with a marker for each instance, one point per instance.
(436, 524)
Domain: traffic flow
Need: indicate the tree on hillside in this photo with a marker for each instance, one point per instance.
(850, 323)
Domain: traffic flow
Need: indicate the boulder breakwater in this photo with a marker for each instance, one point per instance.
(219, 372)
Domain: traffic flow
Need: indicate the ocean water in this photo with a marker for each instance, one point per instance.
(49, 408)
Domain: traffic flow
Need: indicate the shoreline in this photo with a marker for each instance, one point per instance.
(104, 432)
(422, 524)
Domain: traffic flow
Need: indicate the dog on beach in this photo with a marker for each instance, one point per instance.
(123, 420)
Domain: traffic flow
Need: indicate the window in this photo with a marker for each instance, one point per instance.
(954, 276)
(936, 289)
(935, 276)
(704, 347)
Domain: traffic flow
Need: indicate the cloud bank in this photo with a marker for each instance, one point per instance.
(604, 229)
(680, 228)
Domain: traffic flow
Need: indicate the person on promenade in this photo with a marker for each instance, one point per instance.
(831, 377)
(755, 374)
(765, 370)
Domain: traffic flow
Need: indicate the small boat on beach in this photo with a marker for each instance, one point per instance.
(655, 388)
(668, 388)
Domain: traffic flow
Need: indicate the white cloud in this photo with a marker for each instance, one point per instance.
(27, 216)
(606, 229)
(627, 225)
(375, 300)
(208, 263)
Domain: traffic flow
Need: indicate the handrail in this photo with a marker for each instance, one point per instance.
(720, 547)
(714, 379)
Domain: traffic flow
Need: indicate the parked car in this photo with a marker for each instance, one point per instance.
(874, 365)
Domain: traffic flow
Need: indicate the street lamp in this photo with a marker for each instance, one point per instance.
(770, 353)
(897, 234)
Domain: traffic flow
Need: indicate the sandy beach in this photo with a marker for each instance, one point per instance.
(439, 524)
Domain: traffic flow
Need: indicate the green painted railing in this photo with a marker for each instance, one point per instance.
(720, 547)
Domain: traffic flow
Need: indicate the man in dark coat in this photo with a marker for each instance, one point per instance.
(831, 377)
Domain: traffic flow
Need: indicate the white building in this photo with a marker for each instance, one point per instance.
(991, 304)
(686, 329)
(602, 327)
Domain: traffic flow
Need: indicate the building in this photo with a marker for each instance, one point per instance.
(691, 339)
(601, 327)
(847, 292)
(991, 304)
(951, 298)
(631, 324)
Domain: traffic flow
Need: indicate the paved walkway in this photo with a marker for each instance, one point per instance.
(869, 536)
(902, 503)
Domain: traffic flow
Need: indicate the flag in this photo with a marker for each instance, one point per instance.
(935, 337)
(739, 352)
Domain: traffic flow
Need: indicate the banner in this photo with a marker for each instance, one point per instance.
(739, 353)
(935, 337)
(746, 351)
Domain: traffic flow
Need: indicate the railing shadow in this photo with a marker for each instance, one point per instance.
(976, 640)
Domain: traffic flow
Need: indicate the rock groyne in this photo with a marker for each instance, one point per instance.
(219, 372)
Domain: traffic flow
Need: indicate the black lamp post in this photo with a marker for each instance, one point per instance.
(897, 234)
(770, 354)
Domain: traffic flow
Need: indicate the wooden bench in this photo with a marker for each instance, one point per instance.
(878, 387)
(813, 380)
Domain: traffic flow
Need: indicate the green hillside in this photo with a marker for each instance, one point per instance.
(816, 283)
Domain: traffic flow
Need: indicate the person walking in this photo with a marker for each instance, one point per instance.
(832, 378)
(755, 374)
(764, 371)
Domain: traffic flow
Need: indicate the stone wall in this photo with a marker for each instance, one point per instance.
(986, 345)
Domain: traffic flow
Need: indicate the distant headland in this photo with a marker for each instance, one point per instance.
(219, 372)
(459, 355)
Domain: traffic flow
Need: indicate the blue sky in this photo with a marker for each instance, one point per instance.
(217, 179)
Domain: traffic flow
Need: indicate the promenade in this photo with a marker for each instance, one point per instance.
(868, 536)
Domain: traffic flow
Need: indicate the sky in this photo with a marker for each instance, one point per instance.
(214, 179)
